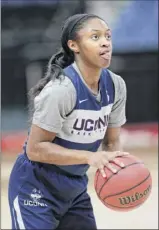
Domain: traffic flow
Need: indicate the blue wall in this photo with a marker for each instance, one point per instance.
(137, 27)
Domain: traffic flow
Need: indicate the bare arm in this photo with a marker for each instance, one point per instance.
(40, 148)
(111, 140)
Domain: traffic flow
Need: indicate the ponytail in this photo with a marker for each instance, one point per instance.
(65, 56)
(55, 67)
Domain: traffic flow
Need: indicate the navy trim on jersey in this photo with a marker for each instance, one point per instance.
(106, 87)
(82, 146)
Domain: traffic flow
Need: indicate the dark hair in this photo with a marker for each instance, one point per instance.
(65, 56)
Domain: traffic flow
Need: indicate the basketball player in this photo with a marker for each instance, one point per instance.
(79, 105)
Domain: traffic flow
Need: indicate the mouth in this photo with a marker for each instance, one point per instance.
(105, 55)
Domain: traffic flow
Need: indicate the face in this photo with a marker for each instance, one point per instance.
(94, 45)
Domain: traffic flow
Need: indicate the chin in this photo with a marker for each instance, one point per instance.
(102, 65)
(106, 64)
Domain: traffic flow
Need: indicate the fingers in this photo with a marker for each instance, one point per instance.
(116, 154)
(106, 160)
(119, 163)
(120, 154)
(108, 166)
(111, 168)
(113, 158)
(102, 171)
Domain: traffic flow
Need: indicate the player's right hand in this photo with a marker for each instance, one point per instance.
(103, 159)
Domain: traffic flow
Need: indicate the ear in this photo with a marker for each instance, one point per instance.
(73, 46)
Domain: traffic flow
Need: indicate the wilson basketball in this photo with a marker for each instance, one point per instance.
(128, 188)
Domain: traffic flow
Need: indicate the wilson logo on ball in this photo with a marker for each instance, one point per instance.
(137, 196)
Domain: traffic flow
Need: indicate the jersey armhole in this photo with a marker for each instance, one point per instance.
(113, 85)
(76, 98)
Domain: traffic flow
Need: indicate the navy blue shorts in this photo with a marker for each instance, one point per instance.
(46, 198)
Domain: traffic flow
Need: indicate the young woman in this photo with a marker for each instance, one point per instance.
(78, 105)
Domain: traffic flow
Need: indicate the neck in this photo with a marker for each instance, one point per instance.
(90, 74)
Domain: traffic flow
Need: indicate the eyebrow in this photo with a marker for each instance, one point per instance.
(107, 30)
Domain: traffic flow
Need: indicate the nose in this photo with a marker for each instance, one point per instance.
(104, 42)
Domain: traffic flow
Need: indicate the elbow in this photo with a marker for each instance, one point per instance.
(31, 154)
(113, 145)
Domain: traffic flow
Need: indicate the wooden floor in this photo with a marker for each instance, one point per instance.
(145, 217)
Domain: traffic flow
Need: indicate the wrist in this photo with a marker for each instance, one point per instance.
(86, 157)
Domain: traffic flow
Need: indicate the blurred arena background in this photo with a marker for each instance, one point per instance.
(30, 35)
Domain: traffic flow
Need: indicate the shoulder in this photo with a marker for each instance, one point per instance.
(119, 85)
(56, 99)
(57, 89)
(64, 84)
(117, 79)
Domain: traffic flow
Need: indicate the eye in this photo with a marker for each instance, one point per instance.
(108, 36)
(95, 37)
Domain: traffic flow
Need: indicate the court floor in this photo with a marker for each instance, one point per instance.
(144, 217)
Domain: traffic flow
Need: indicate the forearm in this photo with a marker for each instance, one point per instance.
(114, 145)
(47, 152)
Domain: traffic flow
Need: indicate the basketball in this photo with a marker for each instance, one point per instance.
(128, 188)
